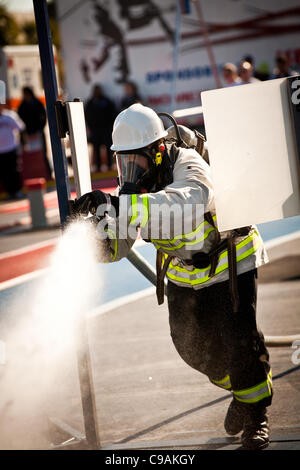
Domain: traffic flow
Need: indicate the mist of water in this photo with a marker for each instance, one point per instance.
(39, 332)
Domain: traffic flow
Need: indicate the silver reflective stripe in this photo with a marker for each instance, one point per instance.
(256, 393)
(224, 383)
(191, 235)
(197, 276)
(174, 272)
(177, 243)
(158, 246)
(222, 263)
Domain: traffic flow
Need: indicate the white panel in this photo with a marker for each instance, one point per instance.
(79, 147)
(252, 153)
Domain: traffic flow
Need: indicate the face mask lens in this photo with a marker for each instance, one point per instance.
(131, 167)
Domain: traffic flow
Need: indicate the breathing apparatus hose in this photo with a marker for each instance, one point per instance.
(173, 120)
(281, 341)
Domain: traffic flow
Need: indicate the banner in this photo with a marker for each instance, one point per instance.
(110, 42)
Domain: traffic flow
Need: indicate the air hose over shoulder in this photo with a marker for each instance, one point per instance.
(173, 120)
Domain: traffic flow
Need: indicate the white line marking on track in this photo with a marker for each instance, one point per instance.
(283, 239)
(28, 249)
(21, 279)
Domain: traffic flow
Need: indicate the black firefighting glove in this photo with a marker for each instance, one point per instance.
(89, 202)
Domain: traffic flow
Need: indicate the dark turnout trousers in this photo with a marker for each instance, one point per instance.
(225, 346)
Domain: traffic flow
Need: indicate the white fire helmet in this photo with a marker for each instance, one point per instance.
(136, 127)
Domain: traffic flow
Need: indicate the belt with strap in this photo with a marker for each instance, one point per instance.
(204, 259)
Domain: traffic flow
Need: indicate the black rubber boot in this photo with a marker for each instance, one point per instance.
(256, 430)
(234, 420)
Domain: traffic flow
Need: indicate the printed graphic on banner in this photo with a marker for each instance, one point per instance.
(117, 41)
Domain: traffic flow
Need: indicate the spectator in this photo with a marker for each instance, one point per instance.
(131, 95)
(282, 68)
(10, 130)
(100, 113)
(261, 72)
(14, 115)
(33, 113)
(246, 73)
(230, 75)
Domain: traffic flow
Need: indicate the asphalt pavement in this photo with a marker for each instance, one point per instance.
(146, 396)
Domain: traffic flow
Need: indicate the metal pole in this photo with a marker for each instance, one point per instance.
(63, 193)
(207, 43)
(51, 95)
(142, 266)
(175, 55)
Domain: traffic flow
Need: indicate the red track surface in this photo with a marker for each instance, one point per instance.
(34, 257)
(50, 201)
(19, 262)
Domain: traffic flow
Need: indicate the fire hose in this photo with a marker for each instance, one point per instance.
(148, 271)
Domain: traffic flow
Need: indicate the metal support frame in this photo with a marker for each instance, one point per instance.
(51, 95)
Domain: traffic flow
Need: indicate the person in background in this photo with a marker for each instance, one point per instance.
(230, 75)
(100, 113)
(131, 95)
(282, 68)
(261, 71)
(10, 130)
(33, 113)
(246, 73)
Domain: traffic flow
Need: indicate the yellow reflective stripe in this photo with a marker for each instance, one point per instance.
(145, 211)
(189, 243)
(224, 383)
(194, 232)
(181, 279)
(187, 235)
(257, 393)
(179, 237)
(226, 387)
(251, 250)
(247, 391)
(255, 399)
(134, 209)
(194, 282)
(199, 270)
(250, 237)
(220, 268)
(112, 236)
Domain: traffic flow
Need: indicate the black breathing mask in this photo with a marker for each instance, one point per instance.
(137, 171)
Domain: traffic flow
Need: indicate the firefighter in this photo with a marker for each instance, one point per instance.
(212, 276)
